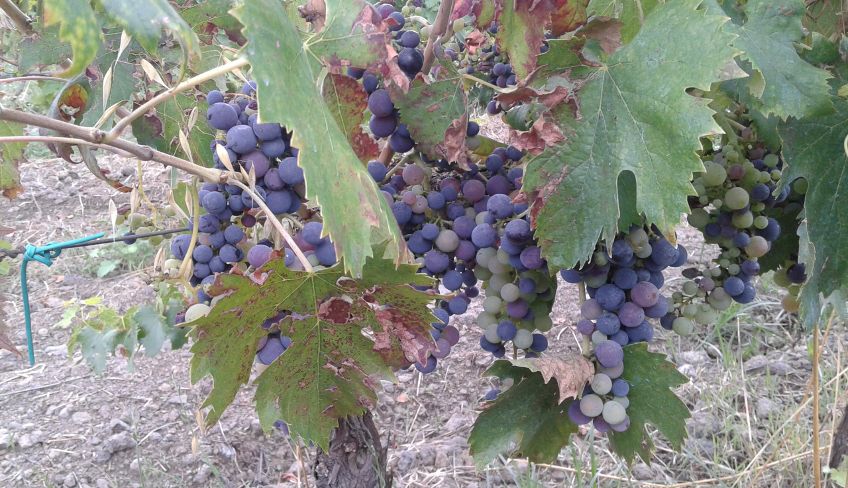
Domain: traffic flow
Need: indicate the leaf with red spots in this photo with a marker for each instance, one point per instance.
(331, 369)
(569, 15)
(436, 115)
(522, 32)
(347, 101)
(11, 155)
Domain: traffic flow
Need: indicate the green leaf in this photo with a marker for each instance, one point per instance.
(631, 13)
(792, 87)
(79, 28)
(11, 155)
(814, 150)
(637, 117)
(43, 49)
(353, 31)
(527, 420)
(347, 101)
(522, 31)
(335, 178)
(152, 330)
(325, 374)
(161, 129)
(145, 21)
(208, 13)
(651, 377)
(436, 116)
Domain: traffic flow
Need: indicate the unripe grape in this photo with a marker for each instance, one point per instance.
(601, 384)
(683, 326)
(715, 174)
(458, 25)
(771, 160)
(736, 198)
(690, 288)
(623, 401)
(492, 304)
(791, 304)
(743, 220)
(699, 218)
(761, 222)
(614, 413)
(523, 339)
(781, 279)
(644, 252)
(543, 323)
(485, 319)
(591, 405)
(492, 334)
(598, 337)
(509, 292)
(757, 247)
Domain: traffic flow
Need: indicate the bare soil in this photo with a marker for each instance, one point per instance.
(61, 425)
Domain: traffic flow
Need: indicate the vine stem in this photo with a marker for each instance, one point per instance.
(483, 82)
(61, 140)
(165, 95)
(585, 343)
(440, 25)
(144, 153)
(386, 154)
(276, 223)
(20, 19)
(31, 78)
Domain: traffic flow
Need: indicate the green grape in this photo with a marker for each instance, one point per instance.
(483, 274)
(800, 186)
(743, 220)
(736, 198)
(690, 310)
(458, 25)
(637, 237)
(724, 262)
(492, 304)
(690, 288)
(781, 279)
(523, 339)
(758, 207)
(715, 174)
(643, 252)
(510, 292)
(683, 326)
(757, 247)
(623, 401)
(485, 319)
(719, 299)
(733, 269)
(598, 337)
(596, 281)
(771, 160)
(717, 203)
(497, 267)
(775, 175)
(496, 282)
(492, 334)
(699, 218)
(706, 314)
(601, 384)
(600, 258)
(704, 200)
(613, 372)
(591, 405)
(614, 413)
(543, 323)
(473, 142)
(503, 257)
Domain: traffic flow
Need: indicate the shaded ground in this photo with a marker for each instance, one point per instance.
(61, 425)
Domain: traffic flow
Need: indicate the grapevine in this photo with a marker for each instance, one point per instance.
(363, 174)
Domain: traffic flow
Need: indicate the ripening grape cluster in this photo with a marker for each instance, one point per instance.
(223, 240)
(735, 209)
(623, 282)
(465, 227)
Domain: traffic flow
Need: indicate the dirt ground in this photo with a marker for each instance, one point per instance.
(63, 426)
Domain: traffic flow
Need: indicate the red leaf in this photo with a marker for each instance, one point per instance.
(568, 15)
(347, 101)
(542, 134)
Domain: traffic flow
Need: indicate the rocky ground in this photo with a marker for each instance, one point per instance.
(63, 426)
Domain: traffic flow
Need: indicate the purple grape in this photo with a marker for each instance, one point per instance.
(457, 305)
(233, 234)
(797, 273)
(517, 309)
(570, 275)
(214, 96)
(326, 253)
(369, 83)
(436, 261)
(620, 387)
(221, 116)
(311, 233)
(290, 172)
(484, 235)
(473, 190)
(278, 201)
(540, 343)
(610, 297)
(258, 255)
(267, 132)
(659, 309)
(214, 202)
(380, 103)
(410, 39)
(258, 161)
(451, 334)
(410, 61)
(452, 280)
(641, 333)
(499, 206)
(377, 170)
(241, 139)
(585, 327)
(576, 415)
(645, 294)
(272, 350)
(734, 286)
(506, 330)
(498, 184)
(382, 126)
(609, 354)
(428, 367)
(631, 314)
(608, 323)
(531, 257)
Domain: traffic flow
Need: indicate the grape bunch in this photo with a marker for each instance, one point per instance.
(737, 208)
(623, 282)
(227, 236)
(466, 226)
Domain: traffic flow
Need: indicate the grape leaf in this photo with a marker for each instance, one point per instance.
(354, 32)
(42, 49)
(436, 116)
(791, 86)
(326, 373)
(522, 32)
(161, 129)
(527, 420)
(827, 17)
(11, 155)
(145, 21)
(205, 18)
(347, 101)
(101, 332)
(814, 149)
(651, 377)
(635, 116)
(631, 13)
(79, 27)
(335, 178)
(568, 15)
(571, 371)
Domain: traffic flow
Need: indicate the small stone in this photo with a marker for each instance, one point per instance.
(29, 440)
(780, 368)
(227, 452)
(406, 461)
(119, 442)
(6, 441)
(101, 483)
(402, 398)
(688, 370)
(118, 425)
(134, 466)
(692, 357)
(642, 472)
(81, 418)
(765, 407)
(58, 478)
(178, 399)
(164, 387)
(43, 332)
(756, 363)
(457, 421)
(65, 412)
(202, 474)
(70, 480)
(442, 459)
(388, 386)
(102, 456)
